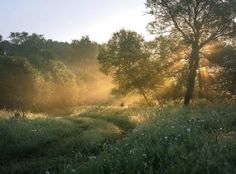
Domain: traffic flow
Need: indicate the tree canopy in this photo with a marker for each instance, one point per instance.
(128, 60)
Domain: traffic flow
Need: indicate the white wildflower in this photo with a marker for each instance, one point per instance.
(145, 155)
(131, 151)
(92, 157)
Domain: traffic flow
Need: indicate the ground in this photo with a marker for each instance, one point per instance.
(98, 139)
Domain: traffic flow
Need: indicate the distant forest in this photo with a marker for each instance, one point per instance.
(36, 73)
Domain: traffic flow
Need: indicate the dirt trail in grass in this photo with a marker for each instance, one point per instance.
(84, 136)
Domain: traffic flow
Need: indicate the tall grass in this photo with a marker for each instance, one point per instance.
(200, 140)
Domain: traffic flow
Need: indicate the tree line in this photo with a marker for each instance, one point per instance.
(191, 58)
(36, 73)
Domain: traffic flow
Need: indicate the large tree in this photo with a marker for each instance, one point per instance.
(198, 22)
(127, 60)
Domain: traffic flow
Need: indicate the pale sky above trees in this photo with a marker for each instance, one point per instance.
(65, 20)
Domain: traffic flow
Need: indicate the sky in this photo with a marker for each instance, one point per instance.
(64, 20)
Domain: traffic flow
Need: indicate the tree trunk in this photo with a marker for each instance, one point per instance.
(193, 66)
(145, 97)
(201, 85)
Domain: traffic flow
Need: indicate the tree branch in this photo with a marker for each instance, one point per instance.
(175, 23)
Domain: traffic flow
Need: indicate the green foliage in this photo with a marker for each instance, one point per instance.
(84, 52)
(25, 87)
(124, 49)
(225, 58)
(35, 47)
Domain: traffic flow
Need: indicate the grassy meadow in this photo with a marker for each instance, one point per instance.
(93, 139)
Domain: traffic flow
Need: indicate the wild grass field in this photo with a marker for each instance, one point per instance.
(120, 140)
